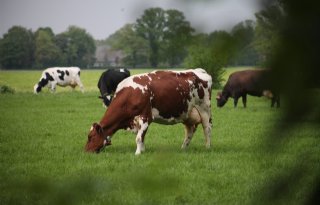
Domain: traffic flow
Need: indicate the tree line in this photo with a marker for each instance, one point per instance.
(159, 38)
(21, 48)
(164, 38)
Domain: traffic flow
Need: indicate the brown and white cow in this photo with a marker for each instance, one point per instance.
(165, 97)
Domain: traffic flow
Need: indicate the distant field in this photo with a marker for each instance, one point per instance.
(23, 81)
(42, 160)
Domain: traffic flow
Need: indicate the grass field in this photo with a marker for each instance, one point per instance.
(42, 138)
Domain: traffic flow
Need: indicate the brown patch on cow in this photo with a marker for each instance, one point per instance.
(169, 102)
(204, 84)
(200, 92)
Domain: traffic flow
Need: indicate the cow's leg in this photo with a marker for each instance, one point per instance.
(142, 125)
(235, 101)
(207, 126)
(53, 87)
(278, 101)
(206, 121)
(189, 131)
(78, 81)
(273, 100)
(244, 100)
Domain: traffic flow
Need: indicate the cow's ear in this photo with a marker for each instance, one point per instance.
(97, 127)
(100, 97)
(218, 95)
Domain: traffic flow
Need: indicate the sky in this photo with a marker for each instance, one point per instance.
(101, 18)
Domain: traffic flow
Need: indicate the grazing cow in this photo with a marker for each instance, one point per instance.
(109, 81)
(62, 76)
(165, 97)
(252, 82)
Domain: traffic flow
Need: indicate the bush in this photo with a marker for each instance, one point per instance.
(200, 57)
(212, 52)
(6, 89)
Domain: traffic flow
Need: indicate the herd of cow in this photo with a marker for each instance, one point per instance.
(165, 97)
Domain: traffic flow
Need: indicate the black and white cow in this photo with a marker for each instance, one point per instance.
(109, 81)
(62, 76)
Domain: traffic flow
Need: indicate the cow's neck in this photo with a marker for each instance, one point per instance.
(226, 94)
(111, 122)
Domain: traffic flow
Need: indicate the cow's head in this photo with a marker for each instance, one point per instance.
(106, 100)
(96, 139)
(37, 88)
(43, 82)
(221, 99)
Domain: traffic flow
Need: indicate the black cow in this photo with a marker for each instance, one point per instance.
(252, 82)
(109, 81)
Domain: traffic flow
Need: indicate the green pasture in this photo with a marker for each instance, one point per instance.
(251, 161)
(23, 81)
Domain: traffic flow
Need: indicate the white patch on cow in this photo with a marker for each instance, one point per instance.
(128, 82)
(122, 70)
(91, 128)
(155, 113)
(203, 75)
(267, 93)
(142, 127)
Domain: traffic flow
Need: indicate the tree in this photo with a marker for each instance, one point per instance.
(243, 34)
(269, 24)
(177, 35)
(17, 48)
(150, 27)
(211, 52)
(167, 33)
(134, 46)
(78, 47)
(46, 52)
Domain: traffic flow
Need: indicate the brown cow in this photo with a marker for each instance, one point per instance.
(252, 82)
(165, 97)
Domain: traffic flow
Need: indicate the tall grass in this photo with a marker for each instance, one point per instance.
(42, 138)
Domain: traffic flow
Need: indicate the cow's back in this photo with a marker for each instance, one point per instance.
(110, 79)
(170, 94)
(248, 81)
